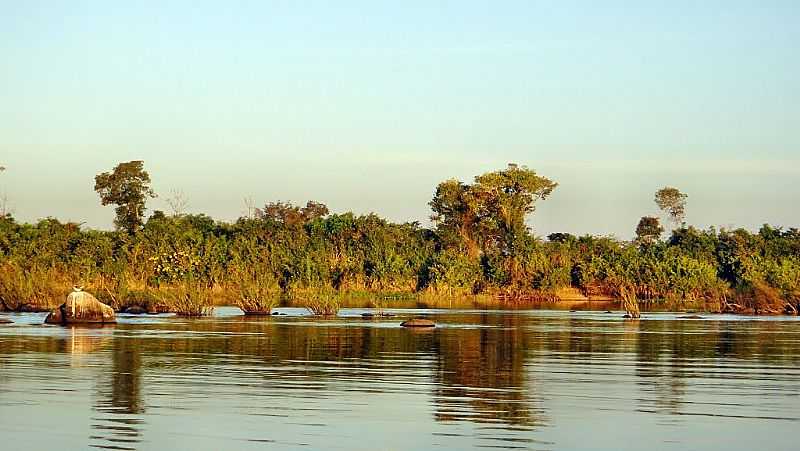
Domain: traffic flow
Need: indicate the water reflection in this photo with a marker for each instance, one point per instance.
(498, 379)
(80, 341)
(117, 422)
(480, 374)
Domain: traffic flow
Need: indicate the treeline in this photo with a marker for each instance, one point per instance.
(480, 245)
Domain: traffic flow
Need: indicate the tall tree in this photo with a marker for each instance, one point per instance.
(455, 214)
(292, 215)
(127, 187)
(673, 203)
(489, 213)
(648, 230)
(508, 196)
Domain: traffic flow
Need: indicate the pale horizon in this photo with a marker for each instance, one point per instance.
(367, 107)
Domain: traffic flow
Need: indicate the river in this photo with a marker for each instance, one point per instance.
(525, 379)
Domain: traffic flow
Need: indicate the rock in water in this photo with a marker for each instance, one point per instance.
(418, 322)
(55, 317)
(135, 310)
(81, 308)
(4, 320)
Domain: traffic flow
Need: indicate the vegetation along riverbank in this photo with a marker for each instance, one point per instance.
(479, 247)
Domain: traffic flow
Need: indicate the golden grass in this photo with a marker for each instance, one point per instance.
(34, 290)
(256, 295)
(187, 299)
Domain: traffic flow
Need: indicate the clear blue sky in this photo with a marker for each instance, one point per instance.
(368, 105)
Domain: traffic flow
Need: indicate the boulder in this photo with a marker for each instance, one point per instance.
(81, 308)
(418, 322)
(55, 317)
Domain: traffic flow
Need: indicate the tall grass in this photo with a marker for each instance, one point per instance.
(36, 289)
(325, 303)
(257, 294)
(187, 299)
(121, 294)
(629, 302)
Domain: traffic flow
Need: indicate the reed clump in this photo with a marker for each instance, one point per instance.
(35, 289)
(187, 299)
(325, 303)
(122, 294)
(257, 294)
(629, 303)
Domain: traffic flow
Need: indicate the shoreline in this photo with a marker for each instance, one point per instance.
(483, 302)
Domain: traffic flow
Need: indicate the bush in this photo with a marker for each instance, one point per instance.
(33, 290)
(188, 299)
(257, 294)
(323, 304)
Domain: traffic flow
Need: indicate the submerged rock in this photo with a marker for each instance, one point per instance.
(31, 308)
(259, 312)
(81, 308)
(135, 310)
(690, 317)
(376, 315)
(418, 322)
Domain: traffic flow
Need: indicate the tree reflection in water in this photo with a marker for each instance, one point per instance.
(117, 421)
(481, 374)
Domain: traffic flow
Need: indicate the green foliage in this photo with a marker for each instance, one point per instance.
(490, 213)
(648, 230)
(507, 196)
(33, 288)
(480, 246)
(452, 272)
(673, 202)
(324, 303)
(188, 298)
(257, 293)
(127, 187)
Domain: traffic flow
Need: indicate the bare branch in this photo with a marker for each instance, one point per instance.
(250, 207)
(178, 202)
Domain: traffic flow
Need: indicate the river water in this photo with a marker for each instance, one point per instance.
(481, 379)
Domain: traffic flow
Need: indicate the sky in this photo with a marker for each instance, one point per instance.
(367, 105)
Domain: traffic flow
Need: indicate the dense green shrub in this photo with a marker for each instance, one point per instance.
(479, 245)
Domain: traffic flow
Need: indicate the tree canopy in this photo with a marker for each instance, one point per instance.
(127, 187)
(490, 213)
(673, 203)
(648, 230)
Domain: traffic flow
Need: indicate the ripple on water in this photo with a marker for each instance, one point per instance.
(481, 379)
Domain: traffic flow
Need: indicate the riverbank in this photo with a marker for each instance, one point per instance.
(200, 302)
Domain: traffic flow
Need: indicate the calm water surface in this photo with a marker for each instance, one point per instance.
(482, 379)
